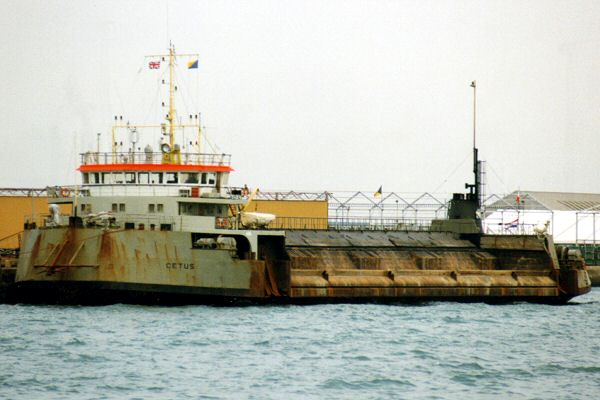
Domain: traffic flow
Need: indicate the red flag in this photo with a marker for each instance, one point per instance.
(154, 64)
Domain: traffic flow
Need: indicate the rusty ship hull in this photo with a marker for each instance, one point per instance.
(76, 265)
(93, 266)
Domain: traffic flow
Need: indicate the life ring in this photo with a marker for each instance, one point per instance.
(222, 222)
(65, 192)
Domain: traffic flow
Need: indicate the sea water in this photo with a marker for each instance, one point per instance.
(434, 350)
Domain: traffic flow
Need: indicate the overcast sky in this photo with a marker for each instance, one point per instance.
(316, 95)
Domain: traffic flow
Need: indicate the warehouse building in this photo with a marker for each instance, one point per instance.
(573, 219)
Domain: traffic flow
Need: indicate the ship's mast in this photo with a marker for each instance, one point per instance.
(171, 115)
(172, 155)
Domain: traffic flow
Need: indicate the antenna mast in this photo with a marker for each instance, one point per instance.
(475, 189)
(475, 151)
(171, 115)
(173, 154)
(474, 86)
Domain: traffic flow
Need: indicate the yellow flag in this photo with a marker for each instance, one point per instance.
(378, 192)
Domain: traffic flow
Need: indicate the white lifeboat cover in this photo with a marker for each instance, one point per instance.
(256, 219)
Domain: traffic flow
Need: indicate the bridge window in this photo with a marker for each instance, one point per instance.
(189, 177)
(121, 207)
(203, 179)
(151, 208)
(159, 208)
(117, 177)
(106, 178)
(199, 209)
(143, 178)
(115, 207)
(211, 179)
(92, 177)
(171, 177)
(156, 177)
(187, 209)
(129, 177)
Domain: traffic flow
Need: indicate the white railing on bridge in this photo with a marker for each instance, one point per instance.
(128, 190)
(93, 158)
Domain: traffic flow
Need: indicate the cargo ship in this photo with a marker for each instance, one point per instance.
(165, 227)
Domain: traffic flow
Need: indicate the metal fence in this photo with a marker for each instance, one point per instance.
(349, 224)
(344, 205)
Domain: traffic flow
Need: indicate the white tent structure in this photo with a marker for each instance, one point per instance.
(574, 218)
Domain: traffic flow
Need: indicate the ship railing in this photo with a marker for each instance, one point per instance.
(238, 192)
(177, 190)
(106, 219)
(44, 220)
(137, 157)
(130, 221)
(351, 224)
(509, 229)
(66, 191)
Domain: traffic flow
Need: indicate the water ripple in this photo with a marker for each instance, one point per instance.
(343, 351)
